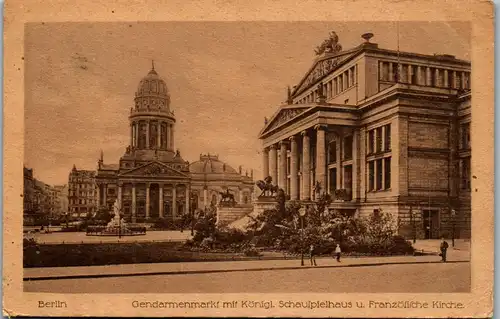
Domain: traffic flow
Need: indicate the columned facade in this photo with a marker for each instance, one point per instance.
(378, 134)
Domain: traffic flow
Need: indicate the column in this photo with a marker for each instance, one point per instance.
(339, 162)
(158, 135)
(132, 135)
(306, 167)
(134, 206)
(321, 157)
(400, 73)
(160, 201)
(240, 195)
(428, 80)
(409, 73)
(462, 82)
(188, 199)
(282, 171)
(174, 201)
(98, 195)
(273, 163)
(445, 78)
(168, 136)
(172, 136)
(147, 200)
(294, 169)
(104, 195)
(391, 72)
(147, 134)
(436, 78)
(453, 83)
(120, 188)
(205, 197)
(265, 162)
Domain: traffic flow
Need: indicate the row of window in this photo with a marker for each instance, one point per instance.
(379, 139)
(415, 74)
(80, 183)
(347, 151)
(82, 201)
(335, 86)
(379, 174)
(81, 194)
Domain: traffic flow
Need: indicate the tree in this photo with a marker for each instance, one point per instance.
(103, 214)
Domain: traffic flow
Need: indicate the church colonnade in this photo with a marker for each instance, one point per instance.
(152, 134)
(148, 199)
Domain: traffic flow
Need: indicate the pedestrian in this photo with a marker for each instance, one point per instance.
(337, 252)
(443, 247)
(312, 255)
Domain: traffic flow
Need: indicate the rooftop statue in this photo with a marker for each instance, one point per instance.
(330, 45)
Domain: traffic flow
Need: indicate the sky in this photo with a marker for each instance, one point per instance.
(223, 78)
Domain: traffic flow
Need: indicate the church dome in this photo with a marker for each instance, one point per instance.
(152, 93)
(210, 164)
(152, 84)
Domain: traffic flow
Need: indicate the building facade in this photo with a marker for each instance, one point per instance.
(152, 180)
(62, 193)
(28, 191)
(379, 130)
(81, 193)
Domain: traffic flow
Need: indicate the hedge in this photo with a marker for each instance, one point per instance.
(64, 255)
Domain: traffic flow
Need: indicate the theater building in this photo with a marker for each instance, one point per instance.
(152, 179)
(379, 130)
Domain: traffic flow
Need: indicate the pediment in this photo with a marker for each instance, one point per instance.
(284, 115)
(321, 68)
(155, 169)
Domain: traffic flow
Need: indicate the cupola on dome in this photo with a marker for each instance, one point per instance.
(152, 84)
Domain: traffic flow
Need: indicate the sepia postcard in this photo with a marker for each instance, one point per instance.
(228, 159)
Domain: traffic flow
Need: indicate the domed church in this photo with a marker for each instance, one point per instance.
(152, 180)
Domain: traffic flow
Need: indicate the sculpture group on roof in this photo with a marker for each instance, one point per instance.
(330, 45)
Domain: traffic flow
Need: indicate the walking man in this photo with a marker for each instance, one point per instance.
(337, 252)
(312, 255)
(443, 247)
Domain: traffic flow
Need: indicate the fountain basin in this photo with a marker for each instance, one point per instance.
(115, 231)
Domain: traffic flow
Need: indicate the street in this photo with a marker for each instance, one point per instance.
(402, 278)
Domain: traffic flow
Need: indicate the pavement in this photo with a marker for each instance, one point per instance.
(124, 270)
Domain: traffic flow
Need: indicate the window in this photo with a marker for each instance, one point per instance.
(371, 141)
(387, 173)
(333, 180)
(346, 101)
(450, 79)
(414, 78)
(433, 77)
(379, 139)
(288, 165)
(348, 147)
(466, 172)
(465, 128)
(371, 175)
(332, 152)
(348, 181)
(387, 138)
(379, 174)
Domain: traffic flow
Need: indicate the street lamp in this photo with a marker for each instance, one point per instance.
(414, 217)
(453, 214)
(302, 213)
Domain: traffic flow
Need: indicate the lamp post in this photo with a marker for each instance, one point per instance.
(453, 214)
(414, 217)
(302, 213)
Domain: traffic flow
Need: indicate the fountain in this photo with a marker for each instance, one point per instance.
(116, 227)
